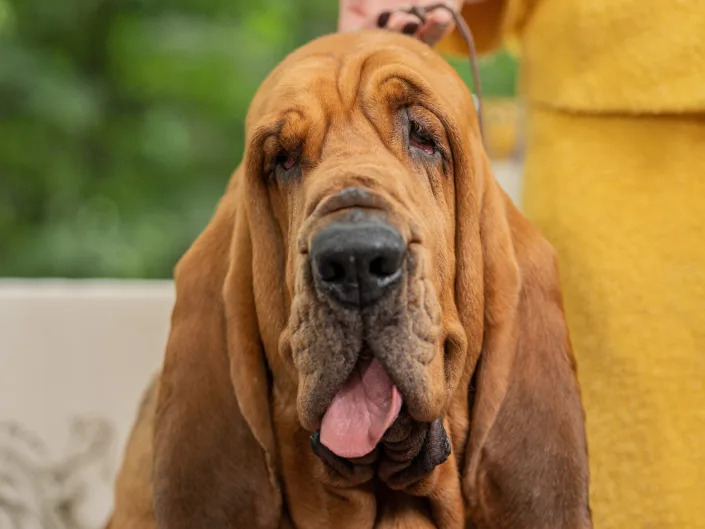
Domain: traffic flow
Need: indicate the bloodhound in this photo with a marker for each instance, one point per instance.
(368, 333)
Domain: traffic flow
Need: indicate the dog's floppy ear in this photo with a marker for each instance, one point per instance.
(213, 444)
(526, 459)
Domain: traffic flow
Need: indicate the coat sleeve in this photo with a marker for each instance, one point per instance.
(492, 22)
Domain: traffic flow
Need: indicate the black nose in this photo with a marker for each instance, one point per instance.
(356, 263)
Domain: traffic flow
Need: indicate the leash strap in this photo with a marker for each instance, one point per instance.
(466, 34)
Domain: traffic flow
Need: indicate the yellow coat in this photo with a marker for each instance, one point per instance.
(615, 178)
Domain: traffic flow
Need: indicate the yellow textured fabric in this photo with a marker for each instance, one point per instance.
(622, 199)
(600, 55)
(616, 55)
(615, 178)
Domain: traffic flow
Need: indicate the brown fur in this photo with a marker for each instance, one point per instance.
(133, 487)
(255, 354)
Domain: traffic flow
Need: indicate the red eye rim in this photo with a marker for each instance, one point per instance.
(419, 139)
(426, 145)
(286, 161)
(289, 162)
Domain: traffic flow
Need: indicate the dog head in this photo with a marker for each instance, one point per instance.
(361, 262)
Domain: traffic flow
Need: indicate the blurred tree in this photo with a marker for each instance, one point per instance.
(120, 121)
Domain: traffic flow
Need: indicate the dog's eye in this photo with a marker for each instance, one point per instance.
(420, 139)
(286, 161)
(286, 167)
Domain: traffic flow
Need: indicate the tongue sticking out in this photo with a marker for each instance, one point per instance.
(361, 412)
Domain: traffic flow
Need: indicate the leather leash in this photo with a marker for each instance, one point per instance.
(465, 32)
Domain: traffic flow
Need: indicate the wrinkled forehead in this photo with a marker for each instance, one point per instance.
(344, 69)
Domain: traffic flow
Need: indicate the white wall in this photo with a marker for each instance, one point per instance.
(508, 174)
(75, 357)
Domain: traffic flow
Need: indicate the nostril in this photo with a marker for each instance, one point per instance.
(383, 266)
(331, 271)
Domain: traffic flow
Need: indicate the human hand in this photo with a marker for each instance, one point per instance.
(359, 14)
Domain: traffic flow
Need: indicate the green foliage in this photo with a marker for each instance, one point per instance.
(497, 73)
(121, 120)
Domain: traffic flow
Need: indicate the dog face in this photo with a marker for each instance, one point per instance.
(354, 156)
(360, 268)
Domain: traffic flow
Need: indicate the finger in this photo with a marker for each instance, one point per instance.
(383, 19)
(439, 23)
(403, 23)
(439, 17)
(354, 14)
(432, 34)
(350, 21)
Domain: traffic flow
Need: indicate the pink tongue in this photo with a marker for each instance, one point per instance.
(361, 412)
